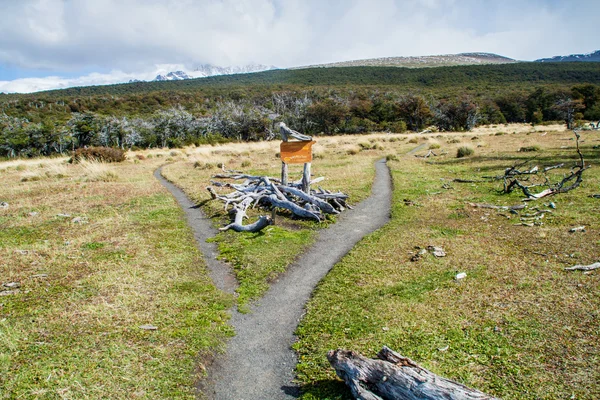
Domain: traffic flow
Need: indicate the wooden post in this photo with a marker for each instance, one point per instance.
(284, 174)
(306, 178)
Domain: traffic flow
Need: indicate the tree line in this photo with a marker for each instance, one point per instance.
(34, 127)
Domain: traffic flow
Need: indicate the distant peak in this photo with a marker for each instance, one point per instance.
(589, 57)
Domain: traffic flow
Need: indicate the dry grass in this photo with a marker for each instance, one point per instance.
(518, 326)
(96, 259)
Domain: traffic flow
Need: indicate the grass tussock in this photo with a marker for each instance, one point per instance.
(464, 151)
(529, 149)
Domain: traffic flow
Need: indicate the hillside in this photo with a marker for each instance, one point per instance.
(436, 80)
(422, 61)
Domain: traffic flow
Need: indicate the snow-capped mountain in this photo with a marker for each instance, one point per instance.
(593, 57)
(212, 70)
(173, 76)
(205, 70)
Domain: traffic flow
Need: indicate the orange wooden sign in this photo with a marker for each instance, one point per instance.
(296, 152)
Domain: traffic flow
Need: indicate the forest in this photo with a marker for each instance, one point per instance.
(318, 101)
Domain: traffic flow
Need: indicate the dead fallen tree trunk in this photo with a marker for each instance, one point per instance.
(393, 376)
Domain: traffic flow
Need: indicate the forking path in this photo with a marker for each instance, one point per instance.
(259, 362)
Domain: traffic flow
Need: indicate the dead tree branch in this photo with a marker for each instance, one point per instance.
(513, 177)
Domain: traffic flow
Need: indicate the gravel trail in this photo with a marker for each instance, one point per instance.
(259, 362)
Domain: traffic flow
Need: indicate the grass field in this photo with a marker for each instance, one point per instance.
(518, 326)
(99, 251)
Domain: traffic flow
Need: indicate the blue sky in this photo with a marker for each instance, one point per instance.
(60, 43)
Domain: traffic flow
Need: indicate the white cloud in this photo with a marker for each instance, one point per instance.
(128, 36)
(29, 85)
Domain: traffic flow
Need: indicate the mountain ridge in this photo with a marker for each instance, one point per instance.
(442, 60)
(587, 57)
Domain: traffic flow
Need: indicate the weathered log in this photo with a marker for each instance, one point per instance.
(240, 214)
(584, 267)
(393, 377)
(276, 201)
(323, 205)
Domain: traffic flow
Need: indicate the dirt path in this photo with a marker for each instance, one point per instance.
(259, 363)
(220, 273)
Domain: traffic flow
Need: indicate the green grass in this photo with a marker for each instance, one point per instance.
(517, 327)
(73, 330)
(257, 258)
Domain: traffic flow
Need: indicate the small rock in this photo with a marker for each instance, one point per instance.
(437, 251)
(4, 205)
(443, 348)
(40, 276)
(552, 205)
(64, 215)
(577, 229)
(23, 252)
(385, 329)
(78, 220)
(149, 327)
(33, 214)
(9, 292)
(461, 275)
(12, 285)
(418, 255)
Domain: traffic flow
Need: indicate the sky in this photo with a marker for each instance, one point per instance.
(47, 44)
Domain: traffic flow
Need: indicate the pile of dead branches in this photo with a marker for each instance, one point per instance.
(268, 193)
(514, 177)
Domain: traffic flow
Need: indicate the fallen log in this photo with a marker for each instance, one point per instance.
(323, 205)
(393, 376)
(294, 208)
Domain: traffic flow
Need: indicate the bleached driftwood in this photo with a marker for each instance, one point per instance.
(590, 267)
(240, 213)
(264, 191)
(393, 376)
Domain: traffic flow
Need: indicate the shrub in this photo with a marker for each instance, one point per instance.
(352, 152)
(451, 141)
(140, 156)
(102, 154)
(434, 146)
(174, 153)
(391, 157)
(530, 148)
(246, 163)
(413, 140)
(464, 151)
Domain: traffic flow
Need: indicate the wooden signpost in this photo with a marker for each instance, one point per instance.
(296, 152)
